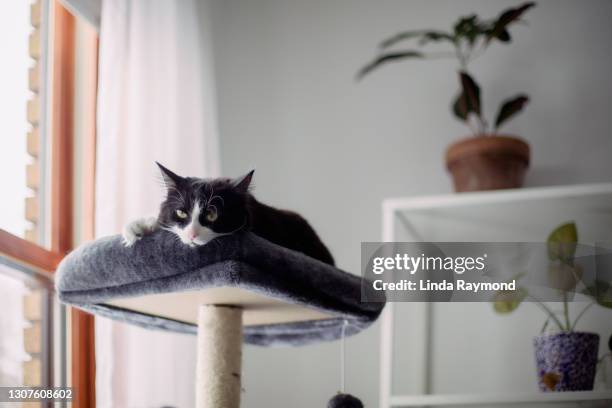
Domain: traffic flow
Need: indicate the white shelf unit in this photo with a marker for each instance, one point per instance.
(522, 215)
(594, 398)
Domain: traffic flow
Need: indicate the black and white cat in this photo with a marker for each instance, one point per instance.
(200, 210)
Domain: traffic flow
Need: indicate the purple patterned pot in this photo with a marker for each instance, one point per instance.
(566, 361)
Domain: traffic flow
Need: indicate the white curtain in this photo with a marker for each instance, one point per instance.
(155, 102)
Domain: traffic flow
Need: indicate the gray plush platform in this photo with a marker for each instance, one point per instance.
(104, 270)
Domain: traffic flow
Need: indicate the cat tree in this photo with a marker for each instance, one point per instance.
(237, 288)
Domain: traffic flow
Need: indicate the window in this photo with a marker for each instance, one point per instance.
(22, 38)
(49, 64)
(31, 354)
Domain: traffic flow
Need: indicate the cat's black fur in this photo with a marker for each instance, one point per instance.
(239, 210)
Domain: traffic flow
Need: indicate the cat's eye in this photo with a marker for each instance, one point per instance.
(211, 215)
(181, 214)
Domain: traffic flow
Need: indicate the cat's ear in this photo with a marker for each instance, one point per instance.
(242, 184)
(170, 179)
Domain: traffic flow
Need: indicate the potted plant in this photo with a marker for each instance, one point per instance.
(488, 160)
(566, 360)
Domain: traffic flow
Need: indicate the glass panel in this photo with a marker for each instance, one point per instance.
(30, 353)
(12, 353)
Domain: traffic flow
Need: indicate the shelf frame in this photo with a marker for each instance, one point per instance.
(394, 208)
(499, 399)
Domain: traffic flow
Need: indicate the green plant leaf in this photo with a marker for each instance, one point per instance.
(405, 35)
(460, 108)
(385, 58)
(509, 108)
(506, 18)
(465, 24)
(435, 36)
(505, 302)
(504, 36)
(424, 36)
(564, 276)
(470, 93)
(468, 100)
(601, 292)
(562, 243)
(469, 28)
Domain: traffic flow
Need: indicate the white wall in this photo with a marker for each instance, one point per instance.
(332, 148)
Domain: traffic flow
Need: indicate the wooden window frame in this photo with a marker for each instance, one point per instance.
(61, 135)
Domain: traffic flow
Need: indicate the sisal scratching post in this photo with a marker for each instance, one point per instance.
(218, 371)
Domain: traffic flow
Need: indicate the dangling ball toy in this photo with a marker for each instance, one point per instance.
(344, 401)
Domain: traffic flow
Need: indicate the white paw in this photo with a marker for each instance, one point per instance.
(135, 230)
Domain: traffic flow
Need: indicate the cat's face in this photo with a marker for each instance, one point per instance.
(199, 210)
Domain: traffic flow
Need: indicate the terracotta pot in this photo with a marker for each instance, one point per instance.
(488, 162)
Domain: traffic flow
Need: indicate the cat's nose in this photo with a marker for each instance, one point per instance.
(192, 235)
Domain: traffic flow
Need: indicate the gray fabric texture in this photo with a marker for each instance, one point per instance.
(105, 269)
